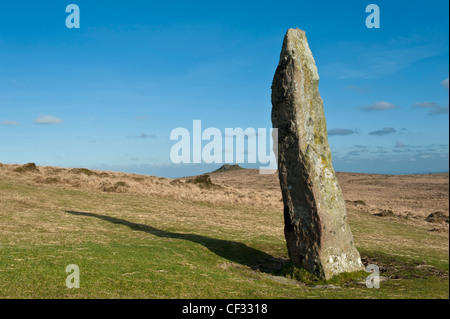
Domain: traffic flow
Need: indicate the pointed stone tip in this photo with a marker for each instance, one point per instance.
(295, 34)
(296, 31)
(296, 45)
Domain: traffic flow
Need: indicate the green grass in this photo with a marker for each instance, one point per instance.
(301, 274)
(136, 246)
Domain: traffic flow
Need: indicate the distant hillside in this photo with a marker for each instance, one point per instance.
(228, 168)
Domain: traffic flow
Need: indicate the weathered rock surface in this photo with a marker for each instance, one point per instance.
(317, 232)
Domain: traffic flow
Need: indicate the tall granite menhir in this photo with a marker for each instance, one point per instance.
(317, 232)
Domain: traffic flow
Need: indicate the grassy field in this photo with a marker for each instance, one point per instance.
(138, 245)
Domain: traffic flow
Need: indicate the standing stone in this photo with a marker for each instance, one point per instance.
(317, 232)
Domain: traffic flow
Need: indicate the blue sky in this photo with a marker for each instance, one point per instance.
(107, 95)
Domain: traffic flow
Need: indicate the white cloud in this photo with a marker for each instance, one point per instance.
(355, 88)
(10, 123)
(340, 131)
(384, 131)
(47, 119)
(144, 135)
(400, 145)
(380, 106)
(435, 109)
(444, 83)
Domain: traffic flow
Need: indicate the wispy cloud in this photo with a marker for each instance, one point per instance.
(399, 145)
(47, 119)
(355, 88)
(380, 152)
(375, 60)
(380, 106)
(435, 109)
(343, 71)
(444, 83)
(354, 153)
(10, 123)
(384, 131)
(144, 135)
(340, 131)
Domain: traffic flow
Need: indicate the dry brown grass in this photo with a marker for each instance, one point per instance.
(410, 197)
(113, 182)
(166, 234)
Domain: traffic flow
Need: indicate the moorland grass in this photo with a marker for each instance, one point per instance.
(148, 246)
